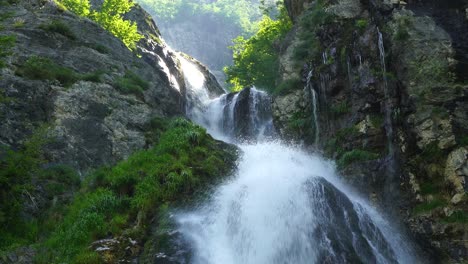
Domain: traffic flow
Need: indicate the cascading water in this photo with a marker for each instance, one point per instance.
(282, 205)
(388, 110)
(314, 106)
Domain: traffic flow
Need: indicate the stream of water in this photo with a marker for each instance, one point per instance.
(283, 205)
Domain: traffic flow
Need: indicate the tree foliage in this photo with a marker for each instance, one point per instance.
(110, 17)
(256, 60)
(241, 13)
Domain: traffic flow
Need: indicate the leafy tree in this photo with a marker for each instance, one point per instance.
(110, 17)
(256, 60)
(79, 7)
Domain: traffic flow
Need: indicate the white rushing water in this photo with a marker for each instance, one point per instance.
(282, 205)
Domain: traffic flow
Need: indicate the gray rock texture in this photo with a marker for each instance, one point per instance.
(92, 123)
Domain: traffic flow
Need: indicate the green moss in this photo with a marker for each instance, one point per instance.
(457, 217)
(93, 76)
(429, 206)
(40, 68)
(463, 141)
(377, 120)
(58, 26)
(346, 133)
(287, 86)
(432, 153)
(356, 155)
(131, 83)
(361, 24)
(100, 48)
(429, 187)
(340, 109)
(6, 45)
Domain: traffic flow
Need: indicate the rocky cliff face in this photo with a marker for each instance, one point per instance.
(105, 95)
(391, 105)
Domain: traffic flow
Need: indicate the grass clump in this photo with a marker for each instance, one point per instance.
(131, 83)
(6, 44)
(340, 109)
(356, 155)
(287, 86)
(184, 159)
(457, 217)
(41, 68)
(309, 24)
(362, 24)
(58, 26)
(429, 206)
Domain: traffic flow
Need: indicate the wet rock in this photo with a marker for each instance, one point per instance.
(117, 250)
(456, 170)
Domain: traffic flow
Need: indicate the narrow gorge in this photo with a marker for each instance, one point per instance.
(339, 136)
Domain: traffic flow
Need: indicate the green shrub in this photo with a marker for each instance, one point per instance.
(59, 27)
(429, 206)
(356, 155)
(339, 109)
(40, 68)
(288, 85)
(131, 83)
(17, 168)
(100, 48)
(256, 61)
(309, 24)
(93, 76)
(362, 24)
(457, 217)
(6, 44)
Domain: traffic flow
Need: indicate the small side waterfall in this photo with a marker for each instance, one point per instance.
(388, 107)
(282, 205)
(313, 93)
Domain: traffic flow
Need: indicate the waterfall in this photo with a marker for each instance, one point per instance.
(314, 106)
(388, 107)
(282, 204)
(287, 206)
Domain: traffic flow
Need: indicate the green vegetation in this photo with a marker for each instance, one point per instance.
(40, 68)
(18, 169)
(356, 155)
(112, 200)
(457, 217)
(59, 27)
(6, 44)
(403, 23)
(340, 109)
(309, 23)
(362, 24)
(288, 85)
(256, 60)
(110, 17)
(184, 159)
(131, 83)
(429, 206)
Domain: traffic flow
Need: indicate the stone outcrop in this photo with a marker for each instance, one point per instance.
(92, 122)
